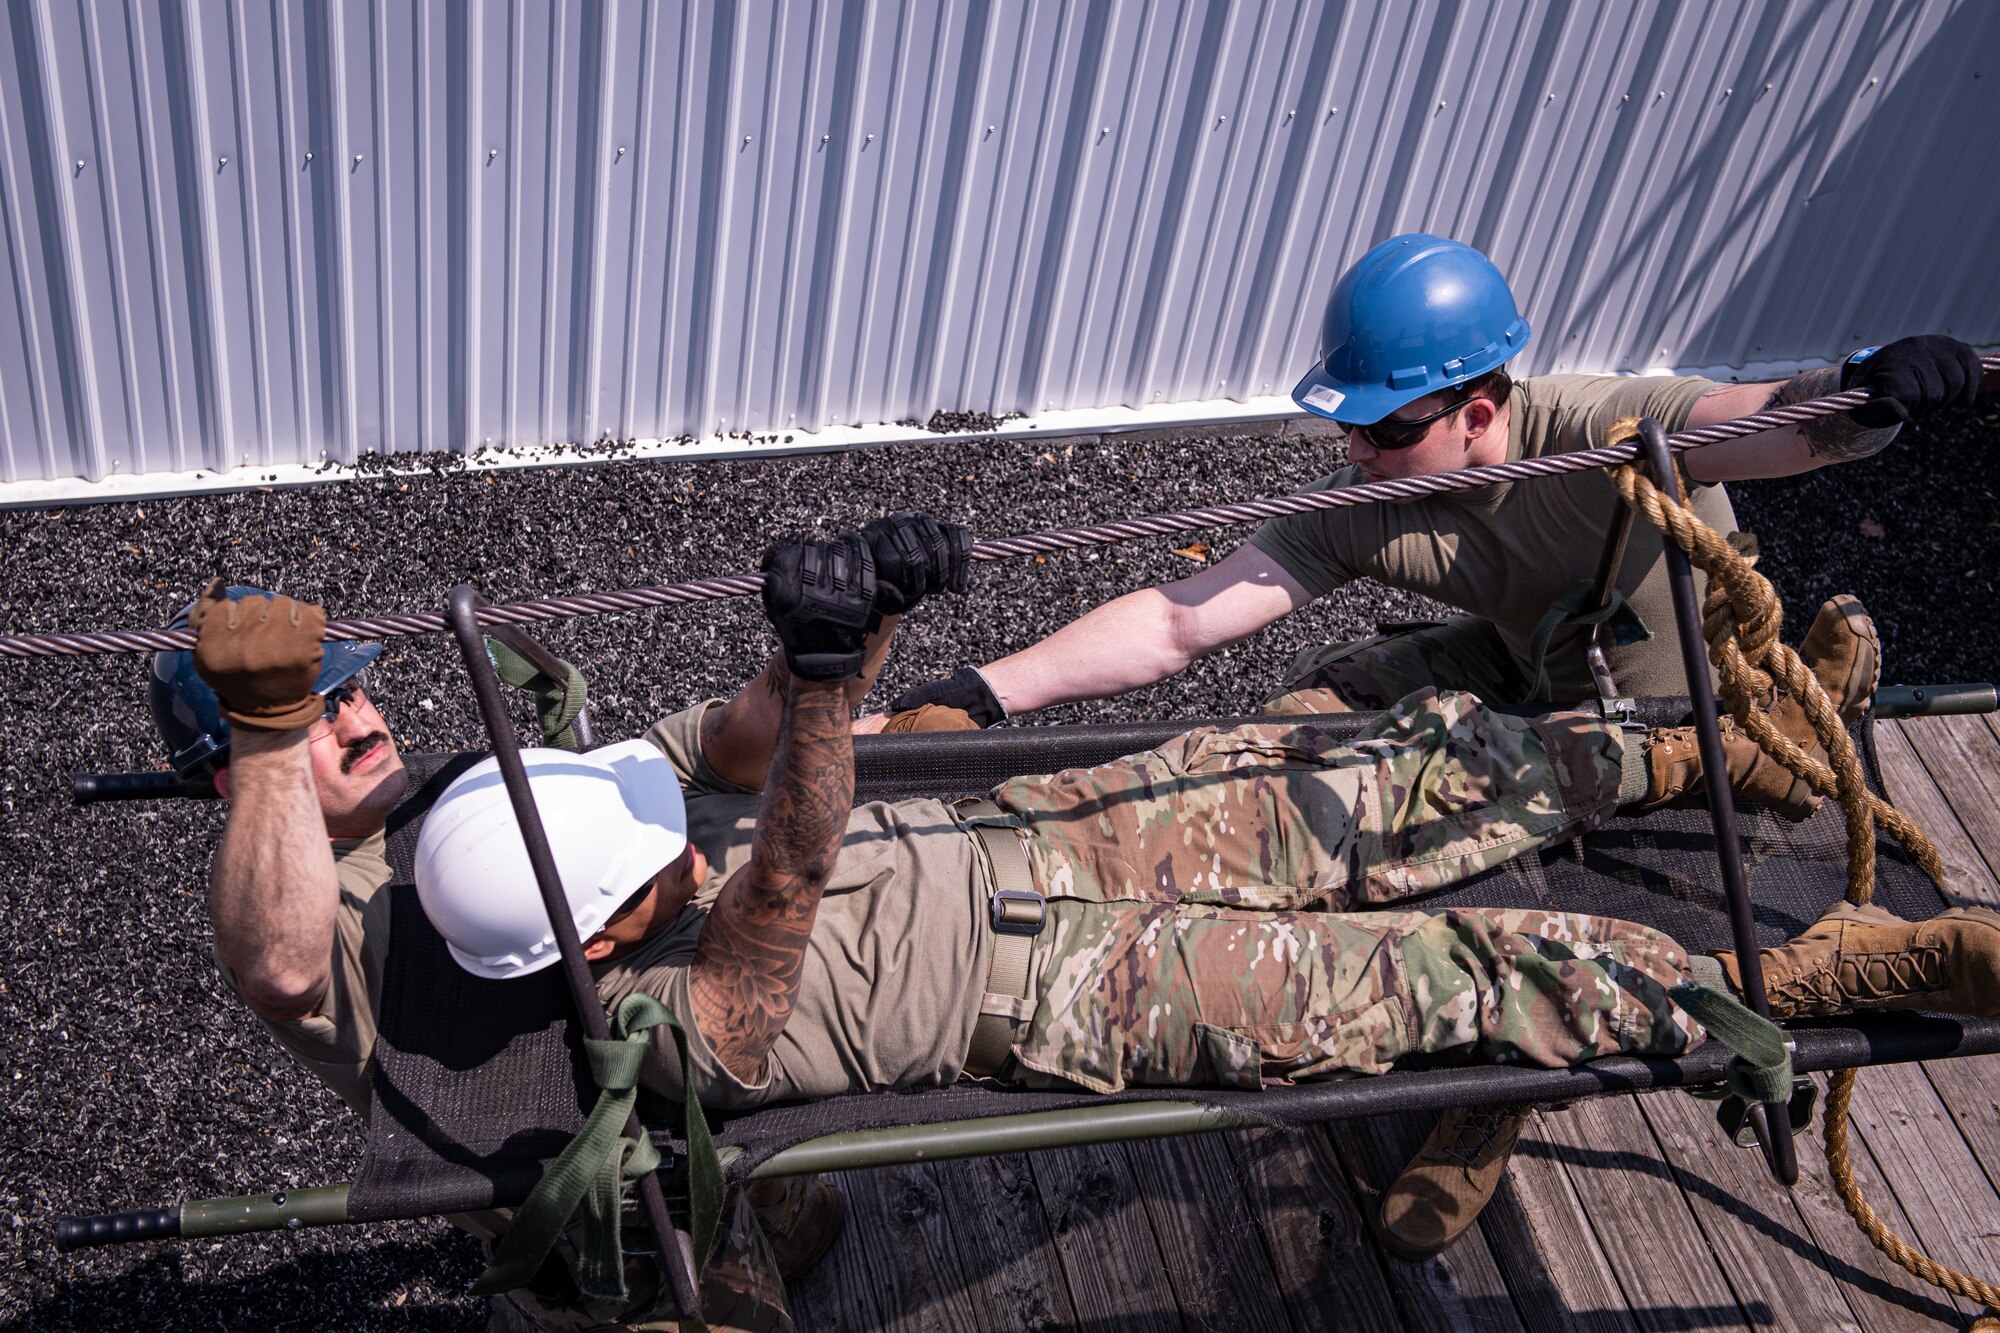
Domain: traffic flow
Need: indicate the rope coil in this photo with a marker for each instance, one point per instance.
(1741, 617)
(88, 644)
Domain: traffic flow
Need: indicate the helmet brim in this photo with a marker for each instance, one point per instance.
(1346, 402)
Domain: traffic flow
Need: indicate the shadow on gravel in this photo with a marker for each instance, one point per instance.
(356, 1289)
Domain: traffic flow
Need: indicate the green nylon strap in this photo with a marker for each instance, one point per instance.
(1568, 609)
(1762, 1069)
(592, 1168)
(557, 702)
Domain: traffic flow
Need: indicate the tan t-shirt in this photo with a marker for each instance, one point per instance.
(894, 970)
(1507, 552)
(887, 998)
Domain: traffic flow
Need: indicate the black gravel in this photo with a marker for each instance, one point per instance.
(131, 1078)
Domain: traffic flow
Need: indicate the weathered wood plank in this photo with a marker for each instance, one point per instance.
(1217, 1265)
(1326, 1270)
(1881, 1295)
(1002, 1238)
(1770, 1258)
(894, 1266)
(1664, 1265)
(1459, 1289)
(1914, 792)
(1960, 755)
(1539, 1231)
(1954, 1213)
(1103, 1239)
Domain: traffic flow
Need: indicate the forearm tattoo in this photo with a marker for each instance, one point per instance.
(1838, 438)
(753, 944)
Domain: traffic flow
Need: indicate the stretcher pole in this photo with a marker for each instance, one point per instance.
(1774, 1132)
(675, 1250)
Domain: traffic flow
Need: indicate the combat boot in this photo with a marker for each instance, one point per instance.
(801, 1218)
(1446, 1185)
(1844, 653)
(1673, 768)
(1856, 959)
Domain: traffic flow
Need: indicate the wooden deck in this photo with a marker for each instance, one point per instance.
(1623, 1213)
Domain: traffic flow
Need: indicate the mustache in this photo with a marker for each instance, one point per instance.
(358, 750)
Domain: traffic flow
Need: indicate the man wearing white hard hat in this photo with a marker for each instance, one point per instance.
(297, 886)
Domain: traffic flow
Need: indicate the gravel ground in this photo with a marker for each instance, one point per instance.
(131, 1079)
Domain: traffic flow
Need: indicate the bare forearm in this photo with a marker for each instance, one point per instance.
(1122, 645)
(272, 891)
(1779, 453)
(746, 967)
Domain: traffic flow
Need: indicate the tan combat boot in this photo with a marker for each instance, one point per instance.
(1441, 1192)
(1673, 768)
(1866, 958)
(1843, 651)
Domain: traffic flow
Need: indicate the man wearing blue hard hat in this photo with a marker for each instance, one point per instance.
(1414, 346)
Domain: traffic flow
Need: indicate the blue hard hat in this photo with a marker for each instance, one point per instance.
(187, 712)
(1416, 314)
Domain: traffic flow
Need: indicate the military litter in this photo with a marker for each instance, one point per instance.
(131, 1078)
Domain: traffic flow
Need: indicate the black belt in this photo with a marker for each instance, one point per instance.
(1016, 917)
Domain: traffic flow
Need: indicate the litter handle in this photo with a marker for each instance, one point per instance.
(78, 1233)
(88, 788)
(1935, 700)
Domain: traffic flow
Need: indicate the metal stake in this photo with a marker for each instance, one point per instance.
(1774, 1132)
(676, 1251)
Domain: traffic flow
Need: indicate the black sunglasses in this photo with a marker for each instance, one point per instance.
(339, 695)
(1390, 434)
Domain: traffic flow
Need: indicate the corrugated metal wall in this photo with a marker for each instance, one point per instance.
(276, 232)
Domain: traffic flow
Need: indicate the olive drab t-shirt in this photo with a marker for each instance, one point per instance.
(891, 985)
(1507, 552)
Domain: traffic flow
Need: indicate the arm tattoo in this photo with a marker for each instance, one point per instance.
(753, 944)
(1838, 438)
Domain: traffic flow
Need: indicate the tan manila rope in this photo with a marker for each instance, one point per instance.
(1741, 616)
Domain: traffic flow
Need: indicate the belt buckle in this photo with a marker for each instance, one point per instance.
(1019, 912)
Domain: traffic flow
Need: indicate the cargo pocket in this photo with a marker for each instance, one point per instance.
(1230, 1059)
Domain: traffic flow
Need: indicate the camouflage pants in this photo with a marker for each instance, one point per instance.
(1462, 653)
(1200, 927)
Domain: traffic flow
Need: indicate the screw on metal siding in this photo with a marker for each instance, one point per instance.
(309, 157)
(1290, 114)
(221, 162)
(1222, 120)
(746, 139)
(1552, 97)
(1103, 130)
(357, 159)
(826, 138)
(621, 150)
(871, 138)
(1442, 104)
(79, 164)
(1626, 98)
(492, 153)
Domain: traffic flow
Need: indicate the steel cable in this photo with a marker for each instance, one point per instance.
(88, 644)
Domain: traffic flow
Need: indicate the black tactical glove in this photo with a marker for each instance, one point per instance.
(1912, 378)
(915, 555)
(965, 690)
(819, 595)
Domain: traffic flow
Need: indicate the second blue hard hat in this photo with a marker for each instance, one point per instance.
(187, 713)
(1416, 314)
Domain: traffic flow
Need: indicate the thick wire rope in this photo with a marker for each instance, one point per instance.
(89, 644)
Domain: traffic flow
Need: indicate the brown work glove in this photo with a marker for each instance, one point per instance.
(261, 656)
(931, 717)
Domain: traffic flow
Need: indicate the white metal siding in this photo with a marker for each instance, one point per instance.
(243, 232)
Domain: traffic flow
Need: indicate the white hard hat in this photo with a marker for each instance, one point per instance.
(614, 819)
